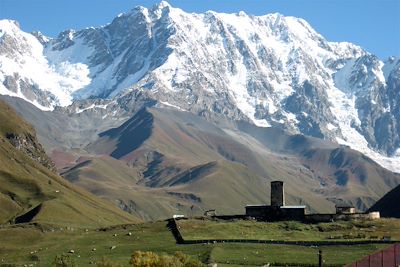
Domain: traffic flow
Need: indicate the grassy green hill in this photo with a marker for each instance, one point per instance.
(31, 189)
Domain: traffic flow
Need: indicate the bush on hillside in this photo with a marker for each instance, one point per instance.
(188, 261)
(151, 259)
(104, 262)
(64, 261)
(292, 226)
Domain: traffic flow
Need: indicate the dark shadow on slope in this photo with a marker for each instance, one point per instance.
(388, 205)
(181, 177)
(132, 134)
(27, 217)
(279, 140)
(338, 158)
(72, 174)
(194, 173)
(186, 196)
(153, 167)
(273, 138)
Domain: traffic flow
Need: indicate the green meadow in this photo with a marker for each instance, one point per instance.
(38, 245)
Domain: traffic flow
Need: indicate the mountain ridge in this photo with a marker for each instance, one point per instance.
(167, 94)
(182, 146)
(271, 70)
(182, 150)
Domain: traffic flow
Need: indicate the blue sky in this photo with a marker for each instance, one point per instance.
(372, 24)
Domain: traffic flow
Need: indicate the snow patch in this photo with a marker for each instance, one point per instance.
(290, 117)
(171, 105)
(93, 106)
(331, 127)
(379, 73)
(341, 76)
(5, 91)
(237, 85)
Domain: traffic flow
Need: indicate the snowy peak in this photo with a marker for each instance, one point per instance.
(271, 70)
(13, 41)
(10, 27)
(41, 37)
(161, 9)
(162, 5)
(25, 71)
(113, 51)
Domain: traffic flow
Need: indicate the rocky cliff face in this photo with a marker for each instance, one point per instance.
(28, 144)
(21, 136)
(270, 70)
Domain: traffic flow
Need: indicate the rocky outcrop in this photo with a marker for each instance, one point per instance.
(28, 144)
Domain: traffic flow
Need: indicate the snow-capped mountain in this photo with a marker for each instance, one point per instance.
(271, 70)
(26, 72)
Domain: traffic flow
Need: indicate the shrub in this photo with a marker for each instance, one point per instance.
(332, 227)
(188, 261)
(292, 226)
(151, 259)
(34, 257)
(144, 259)
(104, 262)
(64, 261)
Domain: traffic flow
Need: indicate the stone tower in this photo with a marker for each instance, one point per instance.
(277, 194)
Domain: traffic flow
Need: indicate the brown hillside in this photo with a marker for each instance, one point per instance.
(31, 192)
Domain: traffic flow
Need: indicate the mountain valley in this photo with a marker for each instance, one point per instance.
(165, 112)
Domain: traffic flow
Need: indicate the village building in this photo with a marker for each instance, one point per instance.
(279, 211)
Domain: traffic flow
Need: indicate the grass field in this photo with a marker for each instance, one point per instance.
(30, 244)
(290, 230)
(281, 255)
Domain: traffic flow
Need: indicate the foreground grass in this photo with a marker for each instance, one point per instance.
(257, 254)
(28, 245)
(290, 230)
(31, 245)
